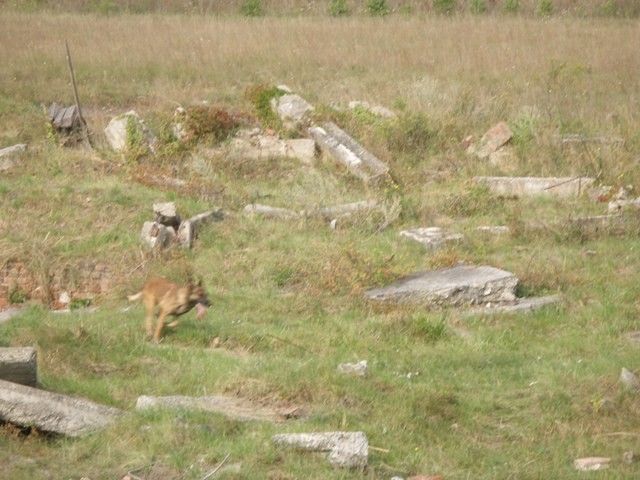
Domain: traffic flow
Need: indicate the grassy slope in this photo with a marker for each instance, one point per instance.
(493, 397)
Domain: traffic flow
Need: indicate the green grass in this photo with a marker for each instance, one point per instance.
(469, 397)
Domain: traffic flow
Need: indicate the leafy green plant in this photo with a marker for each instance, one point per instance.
(18, 295)
(252, 8)
(202, 122)
(478, 7)
(511, 6)
(78, 303)
(545, 8)
(444, 7)
(260, 97)
(136, 141)
(378, 8)
(339, 8)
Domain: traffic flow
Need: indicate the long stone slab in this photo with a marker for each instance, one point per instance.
(19, 365)
(347, 151)
(462, 285)
(52, 412)
(532, 186)
(236, 408)
(346, 449)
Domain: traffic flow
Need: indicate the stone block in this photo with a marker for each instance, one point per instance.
(532, 186)
(346, 449)
(463, 285)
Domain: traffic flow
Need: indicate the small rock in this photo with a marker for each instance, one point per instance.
(591, 463)
(630, 457)
(356, 369)
(629, 380)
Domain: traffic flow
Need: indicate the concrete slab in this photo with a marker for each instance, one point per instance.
(346, 449)
(236, 408)
(462, 285)
(52, 412)
(432, 237)
(348, 152)
(532, 186)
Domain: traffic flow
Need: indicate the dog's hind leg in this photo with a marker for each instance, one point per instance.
(159, 326)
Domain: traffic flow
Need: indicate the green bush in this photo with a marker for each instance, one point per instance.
(377, 8)
(338, 8)
(478, 6)
(511, 6)
(260, 97)
(252, 8)
(444, 7)
(545, 8)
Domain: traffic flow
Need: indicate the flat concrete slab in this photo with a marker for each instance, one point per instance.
(463, 285)
(12, 312)
(346, 449)
(532, 186)
(521, 305)
(236, 408)
(348, 152)
(52, 412)
(432, 237)
(19, 365)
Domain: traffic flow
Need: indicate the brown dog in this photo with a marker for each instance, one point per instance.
(172, 299)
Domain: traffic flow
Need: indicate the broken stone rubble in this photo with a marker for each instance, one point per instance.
(432, 237)
(346, 449)
(531, 186)
(462, 285)
(348, 152)
(358, 369)
(9, 155)
(52, 412)
(491, 141)
(19, 365)
(118, 129)
(292, 109)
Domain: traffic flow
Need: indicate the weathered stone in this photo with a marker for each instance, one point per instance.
(348, 152)
(343, 210)
(9, 314)
(591, 463)
(303, 149)
(530, 186)
(617, 206)
(236, 408)
(19, 365)
(451, 287)
(432, 237)
(579, 142)
(346, 449)
(8, 155)
(271, 212)
(156, 235)
(377, 110)
(52, 412)
(520, 305)
(492, 140)
(629, 380)
(495, 229)
(117, 131)
(356, 369)
(293, 110)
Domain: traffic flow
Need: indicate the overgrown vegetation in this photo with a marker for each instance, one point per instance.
(484, 397)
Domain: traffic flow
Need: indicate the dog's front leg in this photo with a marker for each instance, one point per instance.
(159, 326)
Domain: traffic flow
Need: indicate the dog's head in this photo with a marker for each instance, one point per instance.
(198, 296)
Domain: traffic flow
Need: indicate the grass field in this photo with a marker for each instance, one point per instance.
(481, 397)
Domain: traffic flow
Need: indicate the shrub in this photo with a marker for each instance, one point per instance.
(478, 7)
(252, 8)
(545, 8)
(204, 122)
(338, 8)
(377, 8)
(260, 97)
(511, 6)
(444, 7)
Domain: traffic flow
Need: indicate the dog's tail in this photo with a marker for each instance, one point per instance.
(133, 298)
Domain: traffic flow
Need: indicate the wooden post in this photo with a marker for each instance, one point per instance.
(83, 123)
